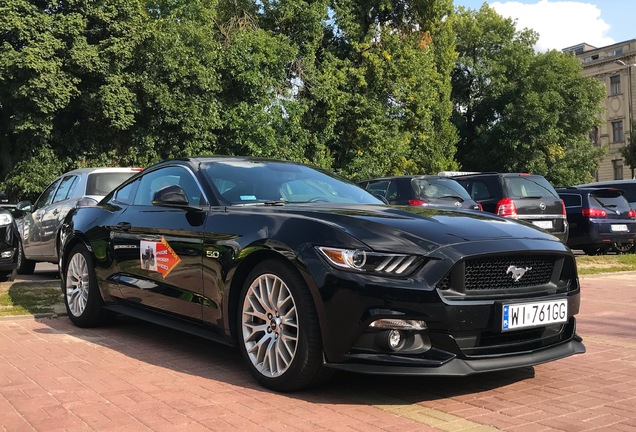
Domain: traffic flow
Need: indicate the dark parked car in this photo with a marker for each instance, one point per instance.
(598, 218)
(306, 273)
(526, 197)
(629, 192)
(41, 223)
(8, 245)
(421, 190)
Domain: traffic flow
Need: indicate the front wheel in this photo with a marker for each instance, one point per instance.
(82, 298)
(7, 276)
(279, 335)
(24, 266)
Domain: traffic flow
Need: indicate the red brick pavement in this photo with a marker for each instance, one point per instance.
(135, 376)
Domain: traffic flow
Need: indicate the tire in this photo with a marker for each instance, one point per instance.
(7, 276)
(24, 266)
(623, 248)
(84, 303)
(599, 250)
(280, 342)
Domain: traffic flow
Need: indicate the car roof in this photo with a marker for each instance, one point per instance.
(608, 182)
(422, 176)
(586, 189)
(485, 174)
(102, 169)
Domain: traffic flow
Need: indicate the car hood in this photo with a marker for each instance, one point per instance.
(405, 227)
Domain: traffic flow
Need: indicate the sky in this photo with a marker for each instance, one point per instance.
(562, 24)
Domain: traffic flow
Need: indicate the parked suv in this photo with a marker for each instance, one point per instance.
(526, 197)
(421, 190)
(40, 226)
(598, 217)
(629, 192)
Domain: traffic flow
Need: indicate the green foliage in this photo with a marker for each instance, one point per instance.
(364, 87)
(519, 111)
(629, 151)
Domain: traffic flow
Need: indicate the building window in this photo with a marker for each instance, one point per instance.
(593, 136)
(615, 85)
(617, 131)
(618, 169)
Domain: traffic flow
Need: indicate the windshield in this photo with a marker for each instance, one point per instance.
(529, 187)
(245, 182)
(101, 183)
(438, 188)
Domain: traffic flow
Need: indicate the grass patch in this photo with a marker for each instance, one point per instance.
(24, 298)
(591, 265)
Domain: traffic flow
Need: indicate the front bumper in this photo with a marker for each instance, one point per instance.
(457, 366)
(463, 333)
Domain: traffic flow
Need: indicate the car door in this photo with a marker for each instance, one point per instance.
(33, 228)
(53, 214)
(158, 249)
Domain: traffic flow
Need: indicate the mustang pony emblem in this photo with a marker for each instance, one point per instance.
(517, 272)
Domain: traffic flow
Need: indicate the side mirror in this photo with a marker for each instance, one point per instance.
(172, 195)
(25, 206)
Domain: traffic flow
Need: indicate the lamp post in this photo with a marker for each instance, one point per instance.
(629, 107)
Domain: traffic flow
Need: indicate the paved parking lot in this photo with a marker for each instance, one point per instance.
(134, 376)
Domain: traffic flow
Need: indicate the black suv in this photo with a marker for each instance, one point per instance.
(526, 197)
(598, 218)
(421, 190)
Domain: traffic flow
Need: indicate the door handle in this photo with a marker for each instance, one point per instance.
(123, 226)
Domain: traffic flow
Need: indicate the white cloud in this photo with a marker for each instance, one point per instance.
(560, 24)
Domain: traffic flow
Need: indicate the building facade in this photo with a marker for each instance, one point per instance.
(613, 66)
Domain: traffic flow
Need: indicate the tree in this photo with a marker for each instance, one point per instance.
(629, 151)
(521, 111)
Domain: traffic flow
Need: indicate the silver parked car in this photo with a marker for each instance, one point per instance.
(40, 223)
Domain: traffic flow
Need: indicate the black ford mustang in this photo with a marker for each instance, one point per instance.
(306, 273)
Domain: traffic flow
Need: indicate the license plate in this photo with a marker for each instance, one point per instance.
(618, 228)
(522, 315)
(547, 224)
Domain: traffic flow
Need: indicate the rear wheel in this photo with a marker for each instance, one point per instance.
(279, 335)
(24, 266)
(624, 248)
(82, 298)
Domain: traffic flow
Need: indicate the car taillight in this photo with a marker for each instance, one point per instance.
(480, 206)
(506, 207)
(593, 212)
(416, 202)
(563, 208)
(631, 213)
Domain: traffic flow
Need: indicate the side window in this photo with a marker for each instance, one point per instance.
(392, 191)
(571, 200)
(378, 187)
(126, 194)
(168, 176)
(479, 191)
(47, 195)
(65, 190)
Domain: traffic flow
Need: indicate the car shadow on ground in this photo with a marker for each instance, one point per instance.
(184, 353)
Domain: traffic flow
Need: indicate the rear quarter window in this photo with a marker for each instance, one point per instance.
(571, 200)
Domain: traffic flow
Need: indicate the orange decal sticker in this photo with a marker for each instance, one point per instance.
(158, 256)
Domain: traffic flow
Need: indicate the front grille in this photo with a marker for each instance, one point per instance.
(499, 272)
(507, 275)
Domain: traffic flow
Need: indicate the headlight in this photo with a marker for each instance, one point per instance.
(371, 262)
(5, 219)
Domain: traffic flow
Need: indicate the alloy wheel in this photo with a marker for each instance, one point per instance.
(270, 325)
(77, 284)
